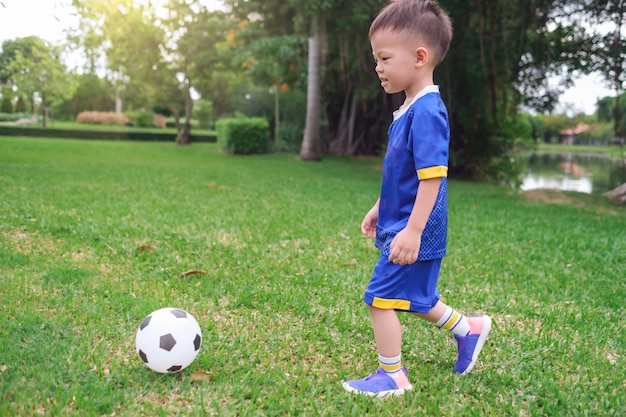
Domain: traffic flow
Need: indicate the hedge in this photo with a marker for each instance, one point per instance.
(243, 135)
(98, 134)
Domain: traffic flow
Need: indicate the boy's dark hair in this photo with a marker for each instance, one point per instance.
(422, 19)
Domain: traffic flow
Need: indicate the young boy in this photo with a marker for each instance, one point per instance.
(409, 39)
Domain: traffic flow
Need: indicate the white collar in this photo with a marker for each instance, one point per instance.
(426, 90)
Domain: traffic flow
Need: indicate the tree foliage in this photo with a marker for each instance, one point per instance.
(502, 58)
(609, 53)
(33, 69)
(128, 34)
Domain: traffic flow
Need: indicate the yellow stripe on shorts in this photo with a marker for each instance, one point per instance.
(391, 304)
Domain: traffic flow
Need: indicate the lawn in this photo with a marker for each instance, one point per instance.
(96, 235)
(612, 151)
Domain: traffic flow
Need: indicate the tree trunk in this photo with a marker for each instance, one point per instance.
(118, 101)
(311, 149)
(617, 195)
(44, 109)
(276, 114)
(185, 138)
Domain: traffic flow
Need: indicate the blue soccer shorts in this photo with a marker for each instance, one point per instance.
(411, 288)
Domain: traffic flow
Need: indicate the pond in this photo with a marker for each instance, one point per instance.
(584, 173)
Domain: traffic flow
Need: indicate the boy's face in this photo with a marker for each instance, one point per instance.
(397, 61)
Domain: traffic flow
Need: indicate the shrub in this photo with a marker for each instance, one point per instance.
(159, 121)
(145, 118)
(7, 104)
(203, 111)
(243, 136)
(289, 137)
(14, 117)
(20, 106)
(128, 134)
(101, 118)
(142, 118)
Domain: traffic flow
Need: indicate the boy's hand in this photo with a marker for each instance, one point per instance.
(368, 225)
(405, 247)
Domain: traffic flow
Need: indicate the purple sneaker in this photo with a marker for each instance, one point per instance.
(380, 384)
(470, 346)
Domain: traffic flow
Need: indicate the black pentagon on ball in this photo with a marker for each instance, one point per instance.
(197, 341)
(174, 368)
(180, 314)
(145, 323)
(143, 356)
(167, 342)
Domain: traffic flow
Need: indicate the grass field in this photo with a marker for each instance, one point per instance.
(95, 235)
(611, 151)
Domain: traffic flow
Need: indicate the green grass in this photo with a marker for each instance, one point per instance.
(612, 151)
(280, 304)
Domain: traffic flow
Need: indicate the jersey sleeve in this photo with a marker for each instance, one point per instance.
(429, 139)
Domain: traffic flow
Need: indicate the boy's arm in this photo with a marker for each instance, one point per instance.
(368, 225)
(406, 245)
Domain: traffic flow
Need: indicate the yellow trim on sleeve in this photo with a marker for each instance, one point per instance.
(391, 304)
(432, 172)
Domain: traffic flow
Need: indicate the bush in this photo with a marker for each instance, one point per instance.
(7, 104)
(14, 117)
(101, 118)
(142, 118)
(159, 121)
(203, 111)
(243, 136)
(20, 106)
(130, 134)
(289, 137)
(145, 118)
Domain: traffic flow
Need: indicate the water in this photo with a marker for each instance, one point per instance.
(584, 173)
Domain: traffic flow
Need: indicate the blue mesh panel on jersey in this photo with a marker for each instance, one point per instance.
(434, 237)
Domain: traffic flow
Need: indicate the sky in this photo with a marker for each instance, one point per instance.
(48, 19)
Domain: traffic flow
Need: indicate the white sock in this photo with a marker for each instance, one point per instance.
(393, 365)
(454, 321)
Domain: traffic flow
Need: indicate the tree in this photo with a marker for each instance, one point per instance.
(128, 34)
(501, 57)
(272, 61)
(340, 64)
(610, 50)
(311, 149)
(35, 71)
(197, 34)
(7, 101)
(93, 93)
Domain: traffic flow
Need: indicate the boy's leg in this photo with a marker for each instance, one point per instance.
(387, 331)
(469, 332)
(391, 377)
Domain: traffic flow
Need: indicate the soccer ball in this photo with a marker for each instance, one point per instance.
(168, 340)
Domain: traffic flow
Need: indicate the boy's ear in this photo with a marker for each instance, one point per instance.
(421, 56)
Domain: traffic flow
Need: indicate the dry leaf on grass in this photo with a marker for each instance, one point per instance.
(201, 375)
(192, 272)
(148, 248)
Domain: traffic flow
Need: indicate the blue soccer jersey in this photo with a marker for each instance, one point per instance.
(419, 137)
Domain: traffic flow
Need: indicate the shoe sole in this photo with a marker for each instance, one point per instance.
(479, 344)
(382, 394)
